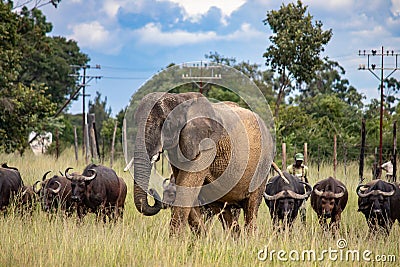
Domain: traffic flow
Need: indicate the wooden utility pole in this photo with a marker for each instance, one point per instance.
(113, 144)
(76, 144)
(362, 152)
(394, 157)
(334, 156)
(305, 154)
(284, 156)
(85, 80)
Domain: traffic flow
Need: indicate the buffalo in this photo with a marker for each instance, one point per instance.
(328, 199)
(99, 190)
(379, 201)
(10, 185)
(284, 196)
(55, 193)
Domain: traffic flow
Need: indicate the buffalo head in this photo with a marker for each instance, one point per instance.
(328, 200)
(79, 183)
(374, 202)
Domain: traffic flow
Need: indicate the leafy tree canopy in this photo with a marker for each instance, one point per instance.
(296, 46)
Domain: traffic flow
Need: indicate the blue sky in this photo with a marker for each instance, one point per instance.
(133, 40)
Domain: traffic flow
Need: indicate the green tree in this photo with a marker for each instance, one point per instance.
(392, 89)
(23, 109)
(328, 80)
(28, 97)
(47, 60)
(99, 108)
(296, 46)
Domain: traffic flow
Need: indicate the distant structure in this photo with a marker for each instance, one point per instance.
(40, 142)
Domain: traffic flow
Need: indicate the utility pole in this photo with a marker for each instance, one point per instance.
(205, 76)
(85, 80)
(371, 67)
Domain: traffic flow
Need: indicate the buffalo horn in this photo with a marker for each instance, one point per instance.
(339, 195)
(34, 187)
(44, 176)
(55, 191)
(89, 178)
(274, 197)
(376, 192)
(69, 177)
(318, 193)
(295, 195)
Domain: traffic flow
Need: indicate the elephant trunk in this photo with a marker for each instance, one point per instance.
(142, 170)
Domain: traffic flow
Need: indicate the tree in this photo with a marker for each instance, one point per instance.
(392, 88)
(47, 60)
(328, 80)
(296, 46)
(28, 74)
(35, 3)
(23, 109)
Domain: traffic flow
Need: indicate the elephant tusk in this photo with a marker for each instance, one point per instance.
(276, 168)
(155, 158)
(129, 165)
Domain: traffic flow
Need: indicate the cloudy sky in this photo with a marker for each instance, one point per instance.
(134, 39)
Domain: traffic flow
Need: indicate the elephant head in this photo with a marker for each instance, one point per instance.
(157, 130)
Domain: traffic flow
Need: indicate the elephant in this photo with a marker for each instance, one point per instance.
(220, 155)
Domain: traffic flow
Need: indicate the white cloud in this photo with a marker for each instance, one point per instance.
(330, 4)
(395, 7)
(94, 36)
(152, 34)
(373, 33)
(194, 10)
(111, 7)
(245, 33)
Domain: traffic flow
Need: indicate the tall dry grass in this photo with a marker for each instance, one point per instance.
(40, 240)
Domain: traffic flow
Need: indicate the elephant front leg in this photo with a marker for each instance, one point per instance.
(250, 210)
(195, 221)
(179, 217)
(187, 192)
(229, 218)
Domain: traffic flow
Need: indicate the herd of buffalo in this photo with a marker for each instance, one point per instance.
(99, 190)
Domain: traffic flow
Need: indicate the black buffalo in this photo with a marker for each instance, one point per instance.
(329, 199)
(55, 193)
(284, 198)
(99, 190)
(10, 185)
(379, 201)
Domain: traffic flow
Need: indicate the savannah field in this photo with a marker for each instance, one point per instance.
(40, 240)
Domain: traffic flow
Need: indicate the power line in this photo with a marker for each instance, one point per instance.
(124, 78)
(83, 86)
(371, 67)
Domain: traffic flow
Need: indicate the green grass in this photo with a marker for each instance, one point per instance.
(40, 240)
